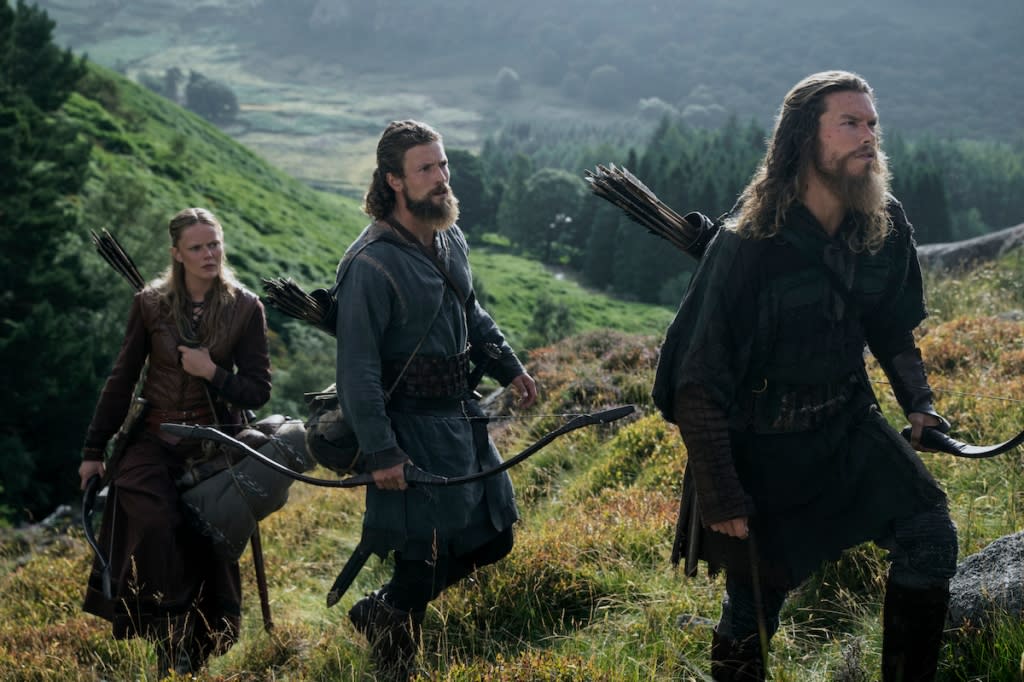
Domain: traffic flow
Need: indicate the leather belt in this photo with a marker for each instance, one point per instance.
(155, 417)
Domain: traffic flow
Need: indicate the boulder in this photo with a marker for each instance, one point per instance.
(987, 583)
(963, 254)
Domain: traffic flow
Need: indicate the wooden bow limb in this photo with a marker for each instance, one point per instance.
(413, 474)
(92, 488)
(935, 439)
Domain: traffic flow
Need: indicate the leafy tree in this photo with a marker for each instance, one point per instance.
(33, 66)
(599, 261)
(166, 85)
(923, 194)
(476, 196)
(518, 168)
(549, 202)
(211, 99)
(507, 85)
(551, 321)
(172, 83)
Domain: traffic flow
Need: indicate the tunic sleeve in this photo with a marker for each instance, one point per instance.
(117, 393)
(483, 329)
(365, 303)
(704, 429)
(249, 386)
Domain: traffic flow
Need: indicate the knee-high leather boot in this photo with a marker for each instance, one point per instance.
(733, 661)
(912, 623)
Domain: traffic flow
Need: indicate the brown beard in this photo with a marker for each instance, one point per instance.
(864, 194)
(438, 216)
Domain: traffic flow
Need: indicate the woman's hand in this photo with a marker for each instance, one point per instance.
(197, 362)
(89, 468)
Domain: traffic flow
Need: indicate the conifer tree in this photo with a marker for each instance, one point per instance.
(42, 334)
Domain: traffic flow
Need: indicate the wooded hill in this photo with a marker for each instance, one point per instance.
(943, 67)
(587, 594)
(84, 149)
(541, 88)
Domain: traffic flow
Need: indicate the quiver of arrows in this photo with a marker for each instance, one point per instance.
(316, 307)
(111, 250)
(690, 234)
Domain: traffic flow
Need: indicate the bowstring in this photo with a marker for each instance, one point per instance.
(566, 416)
(985, 396)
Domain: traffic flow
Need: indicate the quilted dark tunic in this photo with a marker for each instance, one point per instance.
(766, 335)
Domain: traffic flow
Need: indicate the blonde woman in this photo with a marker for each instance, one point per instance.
(204, 338)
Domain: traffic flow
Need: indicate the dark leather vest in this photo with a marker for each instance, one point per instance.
(167, 385)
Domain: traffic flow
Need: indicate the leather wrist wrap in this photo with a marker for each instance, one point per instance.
(910, 382)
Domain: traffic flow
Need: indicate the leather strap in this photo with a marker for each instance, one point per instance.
(402, 230)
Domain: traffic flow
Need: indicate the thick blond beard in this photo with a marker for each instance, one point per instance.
(866, 197)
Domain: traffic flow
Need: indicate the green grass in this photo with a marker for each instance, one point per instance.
(152, 158)
(588, 593)
(515, 284)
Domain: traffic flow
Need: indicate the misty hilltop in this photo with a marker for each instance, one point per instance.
(939, 66)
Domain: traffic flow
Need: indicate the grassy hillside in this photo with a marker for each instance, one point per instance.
(160, 158)
(151, 158)
(588, 593)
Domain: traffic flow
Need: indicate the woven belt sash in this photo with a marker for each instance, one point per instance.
(431, 376)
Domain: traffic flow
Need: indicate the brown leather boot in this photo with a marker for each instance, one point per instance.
(736, 661)
(362, 613)
(912, 624)
(393, 635)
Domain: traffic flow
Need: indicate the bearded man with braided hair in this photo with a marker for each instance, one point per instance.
(408, 328)
(763, 372)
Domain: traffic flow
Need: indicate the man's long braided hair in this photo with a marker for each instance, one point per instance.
(794, 144)
(396, 140)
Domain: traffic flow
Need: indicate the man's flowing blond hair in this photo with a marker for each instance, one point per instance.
(793, 148)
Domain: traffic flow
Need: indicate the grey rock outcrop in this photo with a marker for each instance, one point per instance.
(963, 254)
(987, 583)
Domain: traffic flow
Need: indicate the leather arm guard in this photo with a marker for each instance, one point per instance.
(704, 428)
(909, 383)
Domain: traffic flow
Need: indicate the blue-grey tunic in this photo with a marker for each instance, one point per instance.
(391, 299)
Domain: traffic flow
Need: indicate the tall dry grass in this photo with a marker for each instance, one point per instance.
(588, 593)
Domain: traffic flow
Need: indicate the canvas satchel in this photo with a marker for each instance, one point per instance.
(227, 505)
